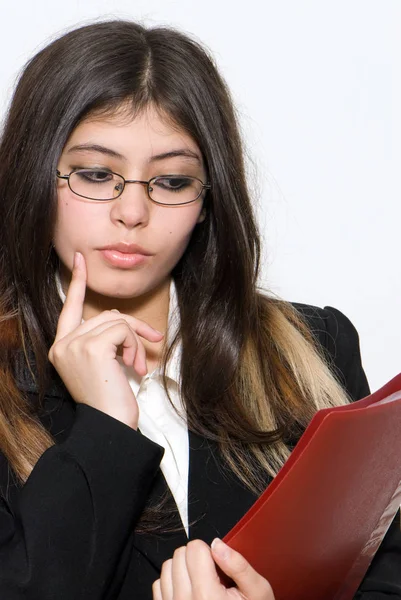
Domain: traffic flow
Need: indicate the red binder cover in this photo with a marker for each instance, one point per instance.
(314, 531)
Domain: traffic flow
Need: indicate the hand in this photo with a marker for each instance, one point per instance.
(191, 575)
(84, 354)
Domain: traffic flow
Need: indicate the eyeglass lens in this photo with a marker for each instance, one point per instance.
(104, 185)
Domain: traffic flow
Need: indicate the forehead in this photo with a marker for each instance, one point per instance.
(145, 134)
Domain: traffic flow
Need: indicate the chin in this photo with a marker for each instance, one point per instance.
(123, 290)
(117, 292)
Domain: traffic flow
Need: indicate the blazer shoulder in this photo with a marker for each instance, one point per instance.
(338, 338)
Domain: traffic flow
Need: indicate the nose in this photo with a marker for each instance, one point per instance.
(132, 208)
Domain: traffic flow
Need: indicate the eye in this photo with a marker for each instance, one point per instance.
(94, 175)
(173, 183)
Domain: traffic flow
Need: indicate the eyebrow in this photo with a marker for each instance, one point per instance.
(96, 148)
(181, 152)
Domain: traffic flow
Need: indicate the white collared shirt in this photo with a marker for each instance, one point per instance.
(158, 420)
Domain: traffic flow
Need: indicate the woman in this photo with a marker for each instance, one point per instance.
(123, 196)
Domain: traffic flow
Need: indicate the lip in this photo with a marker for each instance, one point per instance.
(125, 248)
(124, 256)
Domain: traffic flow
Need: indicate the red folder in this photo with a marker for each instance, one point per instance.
(314, 531)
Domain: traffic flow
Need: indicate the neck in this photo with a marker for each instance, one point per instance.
(151, 307)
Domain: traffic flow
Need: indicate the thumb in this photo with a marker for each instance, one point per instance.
(252, 585)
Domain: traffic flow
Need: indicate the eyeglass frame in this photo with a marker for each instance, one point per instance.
(205, 186)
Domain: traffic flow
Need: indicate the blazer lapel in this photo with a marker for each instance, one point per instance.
(216, 501)
(217, 498)
(159, 545)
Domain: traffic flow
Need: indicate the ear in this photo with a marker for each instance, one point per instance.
(202, 215)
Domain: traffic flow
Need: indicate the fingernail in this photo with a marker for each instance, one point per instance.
(115, 310)
(77, 259)
(220, 548)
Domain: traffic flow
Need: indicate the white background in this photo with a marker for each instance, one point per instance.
(318, 87)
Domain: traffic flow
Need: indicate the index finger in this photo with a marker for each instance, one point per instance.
(71, 314)
(202, 570)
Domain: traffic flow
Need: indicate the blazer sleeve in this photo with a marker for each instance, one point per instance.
(64, 536)
(340, 341)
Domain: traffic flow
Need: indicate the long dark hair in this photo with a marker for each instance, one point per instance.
(247, 358)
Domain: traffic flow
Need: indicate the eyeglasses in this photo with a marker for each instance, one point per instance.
(103, 185)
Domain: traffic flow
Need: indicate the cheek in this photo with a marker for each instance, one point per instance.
(73, 226)
(176, 228)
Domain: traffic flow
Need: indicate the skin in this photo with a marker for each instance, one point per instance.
(124, 309)
(191, 575)
(85, 226)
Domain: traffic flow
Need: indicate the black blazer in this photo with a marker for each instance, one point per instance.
(69, 532)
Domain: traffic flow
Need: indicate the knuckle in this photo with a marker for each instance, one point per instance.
(91, 347)
(179, 552)
(241, 566)
(265, 588)
(128, 329)
(74, 346)
(113, 315)
(119, 320)
(55, 352)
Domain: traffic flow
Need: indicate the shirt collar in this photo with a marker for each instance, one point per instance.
(173, 368)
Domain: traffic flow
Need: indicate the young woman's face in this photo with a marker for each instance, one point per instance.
(143, 148)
